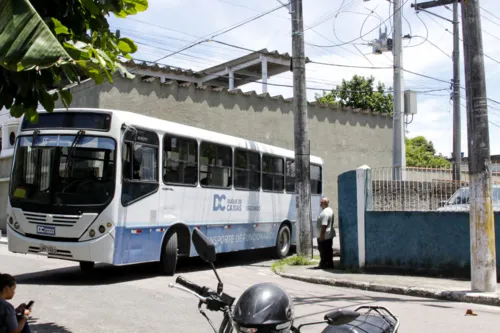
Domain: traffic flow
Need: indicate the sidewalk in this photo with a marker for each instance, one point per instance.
(3, 237)
(445, 289)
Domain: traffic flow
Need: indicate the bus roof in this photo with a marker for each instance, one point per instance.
(166, 126)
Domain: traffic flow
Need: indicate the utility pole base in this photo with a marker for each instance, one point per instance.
(482, 232)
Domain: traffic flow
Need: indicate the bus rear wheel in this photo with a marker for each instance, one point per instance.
(168, 259)
(283, 242)
(86, 266)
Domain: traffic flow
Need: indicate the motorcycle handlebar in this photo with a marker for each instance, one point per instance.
(191, 286)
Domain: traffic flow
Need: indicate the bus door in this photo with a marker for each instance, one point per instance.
(140, 195)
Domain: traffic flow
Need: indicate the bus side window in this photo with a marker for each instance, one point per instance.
(246, 170)
(180, 162)
(273, 177)
(315, 177)
(140, 168)
(216, 165)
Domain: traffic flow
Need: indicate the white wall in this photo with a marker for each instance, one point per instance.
(7, 125)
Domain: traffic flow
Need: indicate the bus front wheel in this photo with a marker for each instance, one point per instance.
(168, 260)
(283, 242)
(86, 266)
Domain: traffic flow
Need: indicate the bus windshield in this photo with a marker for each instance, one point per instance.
(63, 170)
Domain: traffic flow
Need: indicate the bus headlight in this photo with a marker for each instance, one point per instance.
(102, 229)
(109, 224)
(91, 233)
(11, 220)
(16, 225)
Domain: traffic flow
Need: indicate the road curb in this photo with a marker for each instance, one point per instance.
(455, 296)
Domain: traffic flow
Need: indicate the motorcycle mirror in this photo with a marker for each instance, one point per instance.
(204, 246)
(341, 317)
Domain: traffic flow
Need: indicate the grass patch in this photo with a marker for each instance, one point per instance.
(292, 261)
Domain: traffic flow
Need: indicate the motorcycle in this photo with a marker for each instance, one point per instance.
(376, 319)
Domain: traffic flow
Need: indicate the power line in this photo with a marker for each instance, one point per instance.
(426, 32)
(249, 20)
(339, 65)
(428, 40)
(486, 32)
(348, 66)
(484, 54)
(312, 62)
(487, 11)
(225, 31)
(329, 15)
(289, 19)
(488, 19)
(366, 34)
(424, 92)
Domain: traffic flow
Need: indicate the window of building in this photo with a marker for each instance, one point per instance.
(180, 160)
(315, 178)
(246, 169)
(273, 177)
(140, 165)
(216, 165)
(290, 176)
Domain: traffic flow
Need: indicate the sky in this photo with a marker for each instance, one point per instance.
(170, 25)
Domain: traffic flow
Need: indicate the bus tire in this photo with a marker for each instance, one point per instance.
(283, 242)
(168, 260)
(86, 266)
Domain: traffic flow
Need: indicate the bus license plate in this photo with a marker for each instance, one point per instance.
(45, 230)
(48, 249)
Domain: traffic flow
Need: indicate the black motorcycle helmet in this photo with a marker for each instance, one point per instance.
(264, 308)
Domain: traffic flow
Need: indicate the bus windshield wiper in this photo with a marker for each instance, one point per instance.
(71, 150)
(33, 139)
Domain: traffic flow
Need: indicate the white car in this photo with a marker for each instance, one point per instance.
(459, 201)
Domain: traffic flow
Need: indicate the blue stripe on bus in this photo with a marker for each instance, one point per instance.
(145, 246)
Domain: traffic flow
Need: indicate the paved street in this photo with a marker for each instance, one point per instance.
(134, 299)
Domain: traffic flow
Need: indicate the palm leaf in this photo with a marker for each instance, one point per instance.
(26, 41)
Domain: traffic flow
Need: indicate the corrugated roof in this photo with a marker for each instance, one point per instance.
(249, 57)
(165, 69)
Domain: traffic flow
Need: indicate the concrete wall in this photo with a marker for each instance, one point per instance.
(438, 241)
(345, 139)
(429, 242)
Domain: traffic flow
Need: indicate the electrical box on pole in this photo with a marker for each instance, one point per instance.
(410, 102)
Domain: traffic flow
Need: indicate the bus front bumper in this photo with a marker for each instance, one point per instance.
(96, 250)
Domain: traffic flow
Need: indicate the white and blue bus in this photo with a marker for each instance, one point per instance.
(117, 187)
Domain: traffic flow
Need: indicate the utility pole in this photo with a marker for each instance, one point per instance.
(398, 129)
(457, 135)
(301, 135)
(482, 224)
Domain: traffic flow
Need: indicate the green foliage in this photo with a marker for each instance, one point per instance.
(292, 261)
(359, 92)
(45, 44)
(421, 153)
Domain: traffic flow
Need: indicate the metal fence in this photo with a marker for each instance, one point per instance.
(424, 189)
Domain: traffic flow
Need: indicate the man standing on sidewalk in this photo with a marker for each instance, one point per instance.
(326, 232)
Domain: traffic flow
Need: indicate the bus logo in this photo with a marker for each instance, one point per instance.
(218, 202)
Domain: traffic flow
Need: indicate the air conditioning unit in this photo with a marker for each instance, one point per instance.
(9, 135)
